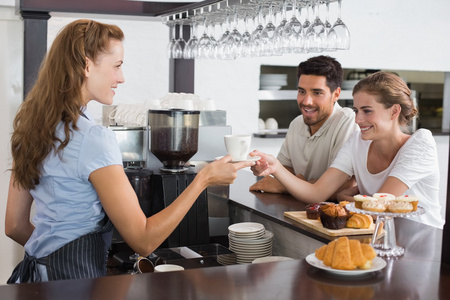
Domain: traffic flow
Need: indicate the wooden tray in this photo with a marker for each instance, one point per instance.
(300, 216)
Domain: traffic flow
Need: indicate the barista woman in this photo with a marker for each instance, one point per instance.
(382, 157)
(72, 168)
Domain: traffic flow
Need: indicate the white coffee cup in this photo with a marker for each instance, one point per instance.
(238, 146)
(168, 268)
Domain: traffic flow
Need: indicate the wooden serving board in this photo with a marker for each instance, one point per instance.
(300, 216)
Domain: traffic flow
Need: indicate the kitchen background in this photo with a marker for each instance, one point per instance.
(405, 36)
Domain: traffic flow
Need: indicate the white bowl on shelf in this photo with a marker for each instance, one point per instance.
(271, 87)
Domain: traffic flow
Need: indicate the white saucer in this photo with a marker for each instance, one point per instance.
(249, 158)
(270, 259)
(246, 227)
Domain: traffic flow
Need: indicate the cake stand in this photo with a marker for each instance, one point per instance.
(388, 246)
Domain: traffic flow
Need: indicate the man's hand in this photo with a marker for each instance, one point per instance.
(347, 194)
(269, 185)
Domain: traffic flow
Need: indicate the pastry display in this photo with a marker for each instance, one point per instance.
(408, 198)
(359, 221)
(360, 199)
(384, 202)
(400, 207)
(376, 206)
(345, 254)
(333, 216)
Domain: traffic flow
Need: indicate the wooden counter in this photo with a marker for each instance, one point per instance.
(417, 275)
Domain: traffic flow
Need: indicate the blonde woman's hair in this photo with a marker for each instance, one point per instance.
(56, 96)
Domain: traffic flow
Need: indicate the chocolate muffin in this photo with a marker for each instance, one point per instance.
(333, 216)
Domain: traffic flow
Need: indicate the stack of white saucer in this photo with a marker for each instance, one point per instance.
(249, 241)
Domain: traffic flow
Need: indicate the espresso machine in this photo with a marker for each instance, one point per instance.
(163, 158)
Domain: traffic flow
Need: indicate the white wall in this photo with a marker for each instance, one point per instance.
(11, 89)
(386, 34)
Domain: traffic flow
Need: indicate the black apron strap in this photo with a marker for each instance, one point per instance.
(26, 270)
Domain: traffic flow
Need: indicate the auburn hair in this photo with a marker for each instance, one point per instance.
(56, 97)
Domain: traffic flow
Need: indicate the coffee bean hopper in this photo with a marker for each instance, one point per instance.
(174, 137)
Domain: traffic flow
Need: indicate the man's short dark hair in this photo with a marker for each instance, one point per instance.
(325, 66)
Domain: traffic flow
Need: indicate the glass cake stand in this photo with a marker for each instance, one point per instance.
(388, 246)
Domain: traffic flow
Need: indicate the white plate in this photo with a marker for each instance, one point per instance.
(243, 239)
(249, 158)
(245, 247)
(270, 259)
(252, 252)
(377, 264)
(251, 235)
(248, 244)
(246, 227)
(267, 237)
(271, 87)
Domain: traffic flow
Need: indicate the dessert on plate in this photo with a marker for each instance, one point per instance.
(346, 254)
(360, 199)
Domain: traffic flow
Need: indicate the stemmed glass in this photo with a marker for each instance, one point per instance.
(306, 23)
(235, 37)
(292, 35)
(246, 45)
(330, 39)
(267, 34)
(341, 32)
(224, 48)
(256, 34)
(316, 35)
(190, 51)
(204, 43)
(180, 43)
(214, 43)
(172, 47)
(278, 36)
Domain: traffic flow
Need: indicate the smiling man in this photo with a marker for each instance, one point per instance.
(315, 137)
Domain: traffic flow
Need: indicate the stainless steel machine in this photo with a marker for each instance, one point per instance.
(162, 159)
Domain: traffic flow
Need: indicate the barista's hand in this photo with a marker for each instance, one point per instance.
(267, 165)
(222, 171)
(269, 185)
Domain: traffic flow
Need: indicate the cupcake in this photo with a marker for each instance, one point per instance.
(384, 197)
(360, 199)
(408, 198)
(400, 207)
(375, 206)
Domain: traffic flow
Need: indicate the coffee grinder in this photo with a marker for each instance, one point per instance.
(174, 141)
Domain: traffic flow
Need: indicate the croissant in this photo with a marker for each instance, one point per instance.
(345, 254)
(359, 221)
